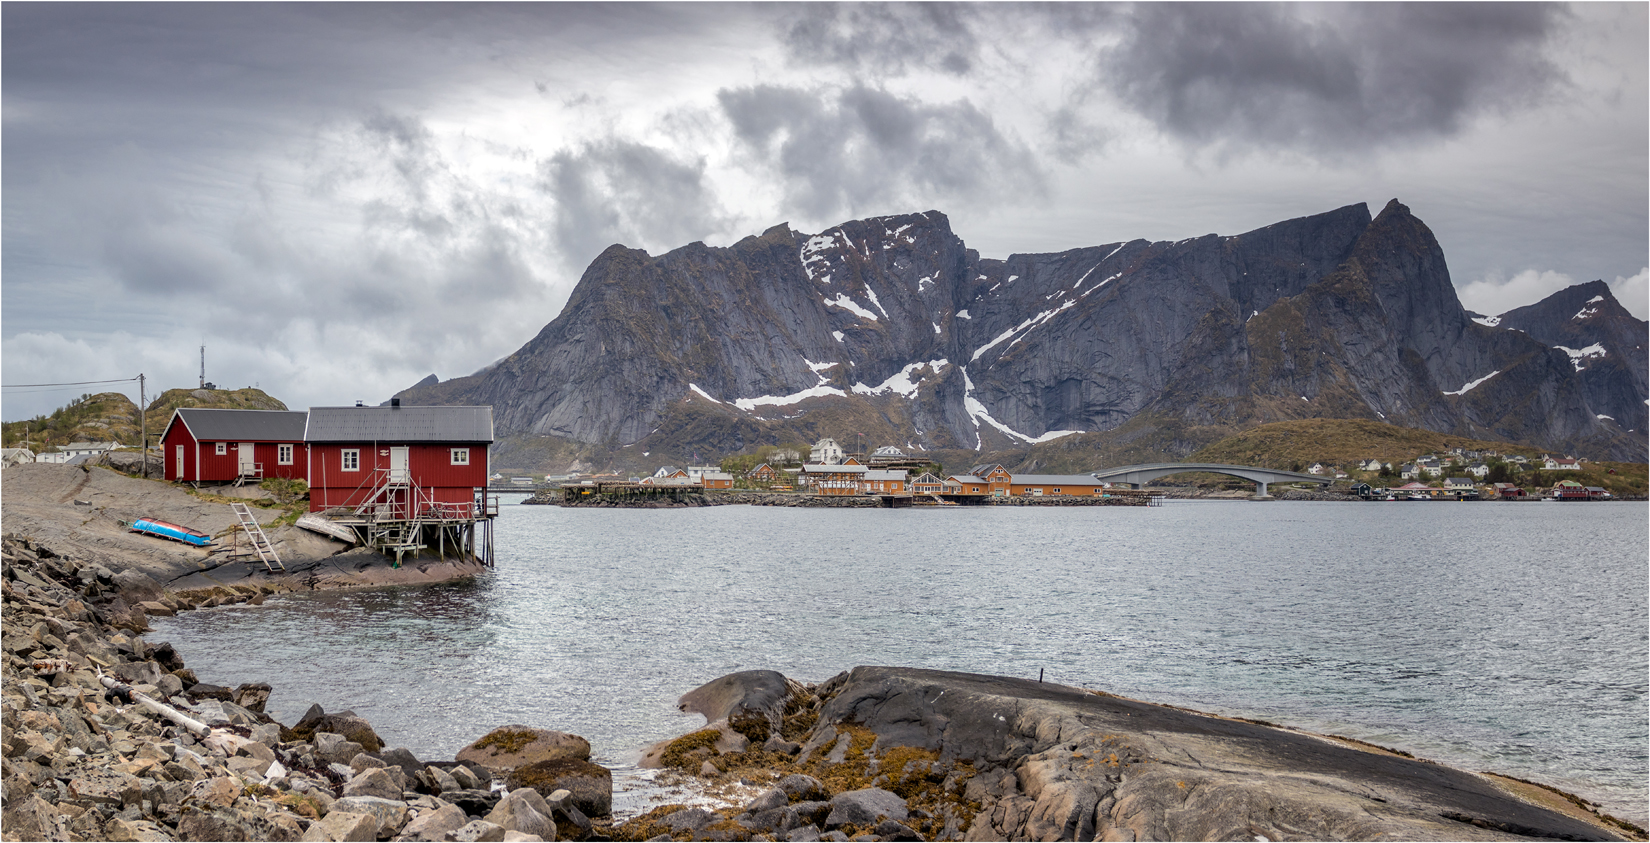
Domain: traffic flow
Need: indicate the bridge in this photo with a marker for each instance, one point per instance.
(1140, 475)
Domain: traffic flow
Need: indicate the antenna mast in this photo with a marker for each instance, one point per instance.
(203, 367)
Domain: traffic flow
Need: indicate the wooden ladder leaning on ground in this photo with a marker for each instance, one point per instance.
(260, 542)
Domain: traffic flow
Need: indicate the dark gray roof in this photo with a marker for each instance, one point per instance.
(243, 425)
(400, 424)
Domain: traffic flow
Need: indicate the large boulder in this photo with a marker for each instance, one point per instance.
(436, 825)
(865, 808)
(345, 723)
(137, 587)
(754, 702)
(524, 810)
(509, 747)
(342, 826)
(373, 781)
(391, 814)
(590, 784)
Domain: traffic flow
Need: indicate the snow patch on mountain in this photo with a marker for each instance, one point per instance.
(1470, 384)
(902, 382)
(849, 304)
(977, 411)
(1107, 280)
(784, 400)
(873, 295)
(999, 338)
(1579, 354)
(963, 314)
(1487, 321)
(695, 388)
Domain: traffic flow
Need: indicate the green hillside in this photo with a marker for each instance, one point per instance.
(1339, 442)
(90, 418)
(112, 416)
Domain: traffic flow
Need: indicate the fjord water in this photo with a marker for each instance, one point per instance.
(1494, 636)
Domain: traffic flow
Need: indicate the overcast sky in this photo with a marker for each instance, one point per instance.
(339, 199)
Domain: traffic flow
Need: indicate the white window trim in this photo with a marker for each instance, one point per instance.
(220, 448)
(347, 456)
(283, 454)
(459, 456)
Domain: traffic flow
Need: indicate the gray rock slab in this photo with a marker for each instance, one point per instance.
(1089, 764)
(865, 807)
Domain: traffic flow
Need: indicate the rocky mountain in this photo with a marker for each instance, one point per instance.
(1604, 342)
(892, 328)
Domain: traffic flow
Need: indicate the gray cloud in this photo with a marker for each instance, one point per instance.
(621, 191)
(1326, 79)
(861, 149)
(884, 39)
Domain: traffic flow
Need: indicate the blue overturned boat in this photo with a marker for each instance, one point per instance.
(168, 530)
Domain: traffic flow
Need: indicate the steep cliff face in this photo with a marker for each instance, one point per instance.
(893, 324)
(1602, 341)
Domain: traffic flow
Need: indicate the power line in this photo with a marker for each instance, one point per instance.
(71, 383)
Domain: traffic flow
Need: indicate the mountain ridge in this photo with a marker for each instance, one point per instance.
(894, 324)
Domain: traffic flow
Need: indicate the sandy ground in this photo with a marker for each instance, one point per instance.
(77, 511)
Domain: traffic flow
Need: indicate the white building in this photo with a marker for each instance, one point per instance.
(75, 449)
(825, 452)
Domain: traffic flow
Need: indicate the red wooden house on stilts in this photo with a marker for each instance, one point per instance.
(404, 478)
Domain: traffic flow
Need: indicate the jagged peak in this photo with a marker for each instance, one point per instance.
(1590, 297)
(1393, 208)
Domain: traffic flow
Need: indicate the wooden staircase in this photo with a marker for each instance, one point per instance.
(260, 542)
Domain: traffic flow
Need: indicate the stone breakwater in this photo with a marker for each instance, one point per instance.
(554, 497)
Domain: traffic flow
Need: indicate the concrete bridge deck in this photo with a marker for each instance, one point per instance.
(1140, 475)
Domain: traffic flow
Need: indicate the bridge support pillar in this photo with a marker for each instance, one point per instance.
(1260, 491)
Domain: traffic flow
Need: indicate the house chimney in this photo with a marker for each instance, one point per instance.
(360, 403)
(395, 403)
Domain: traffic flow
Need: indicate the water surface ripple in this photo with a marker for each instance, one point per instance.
(1494, 636)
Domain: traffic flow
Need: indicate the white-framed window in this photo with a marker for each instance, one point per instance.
(283, 454)
(1055, 490)
(221, 448)
(351, 459)
(461, 456)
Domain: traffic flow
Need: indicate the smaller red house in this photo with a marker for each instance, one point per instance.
(226, 446)
(417, 459)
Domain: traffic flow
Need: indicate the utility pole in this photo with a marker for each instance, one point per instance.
(143, 418)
